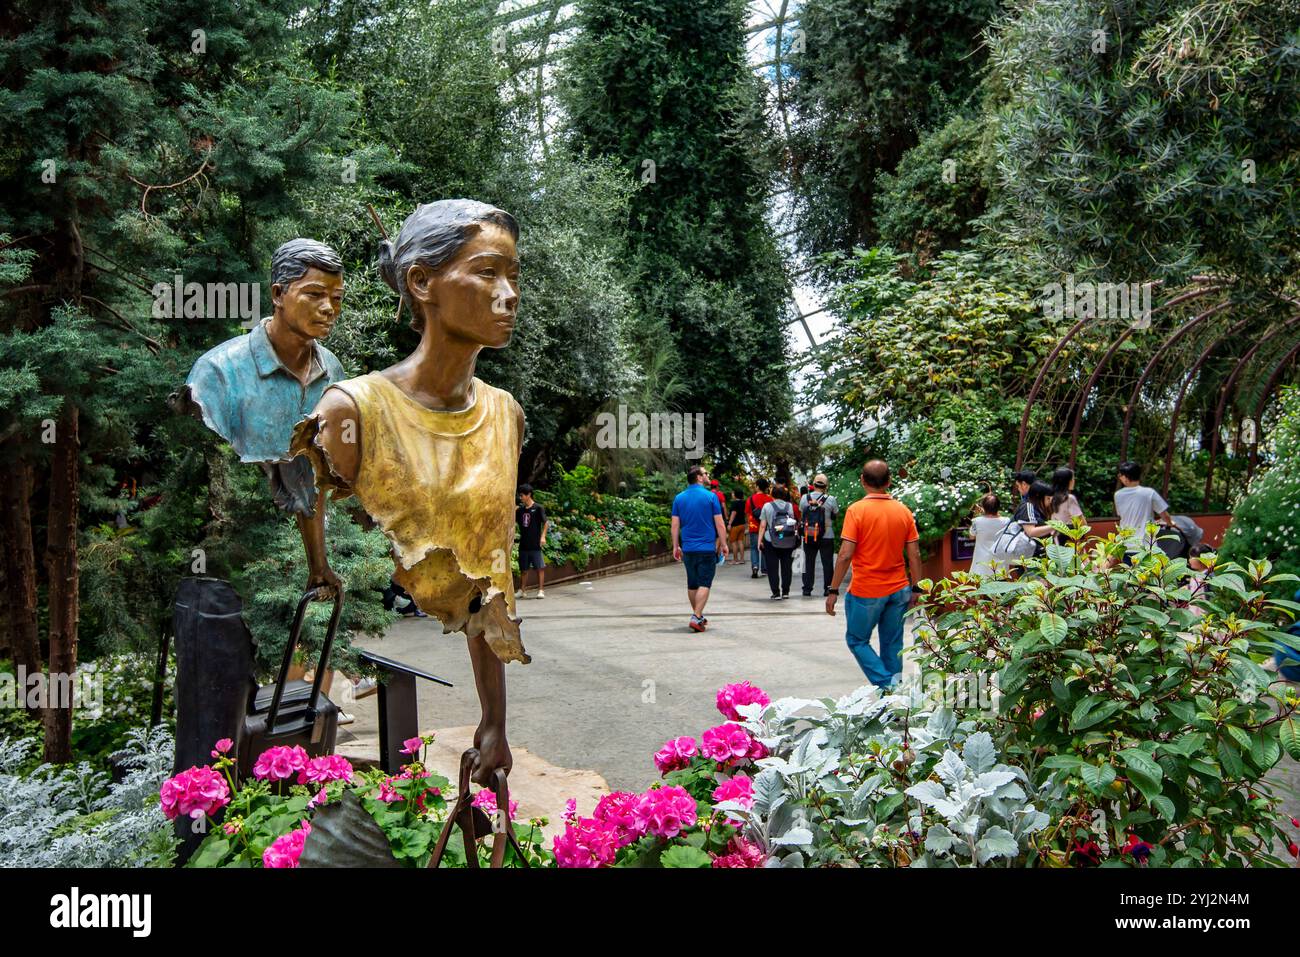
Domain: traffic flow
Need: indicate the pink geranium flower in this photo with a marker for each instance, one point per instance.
(739, 789)
(222, 747)
(389, 795)
(194, 793)
(665, 812)
(570, 811)
(585, 842)
(487, 801)
(617, 811)
(412, 746)
(329, 767)
(287, 848)
(280, 763)
(741, 853)
(727, 743)
(676, 754)
(729, 696)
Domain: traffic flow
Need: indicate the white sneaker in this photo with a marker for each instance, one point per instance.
(540, 593)
(364, 688)
(345, 718)
(521, 594)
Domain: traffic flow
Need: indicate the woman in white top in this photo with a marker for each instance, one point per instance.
(986, 528)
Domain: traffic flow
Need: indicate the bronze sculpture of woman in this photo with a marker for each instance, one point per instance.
(432, 452)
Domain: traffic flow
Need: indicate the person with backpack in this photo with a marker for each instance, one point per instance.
(817, 534)
(753, 510)
(778, 531)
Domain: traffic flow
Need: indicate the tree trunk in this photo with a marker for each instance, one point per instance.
(19, 566)
(62, 572)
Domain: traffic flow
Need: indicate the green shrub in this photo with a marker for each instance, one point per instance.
(1131, 695)
(1266, 522)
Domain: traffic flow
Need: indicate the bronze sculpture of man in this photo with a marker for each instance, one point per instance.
(253, 389)
(431, 452)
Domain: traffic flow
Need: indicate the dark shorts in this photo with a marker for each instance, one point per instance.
(699, 568)
(531, 559)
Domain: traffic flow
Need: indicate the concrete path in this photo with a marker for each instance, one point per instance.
(616, 672)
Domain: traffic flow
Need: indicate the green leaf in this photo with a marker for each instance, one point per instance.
(683, 855)
(1144, 772)
(1242, 738)
(1289, 737)
(1097, 715)
(1053, 627)
(1165, 807)
(1264, 751)
(211, 852)
(1097, 777)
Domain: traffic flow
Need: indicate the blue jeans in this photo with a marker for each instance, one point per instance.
(756, 557)
(862, 616)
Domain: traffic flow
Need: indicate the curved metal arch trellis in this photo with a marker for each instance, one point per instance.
(1237, 389)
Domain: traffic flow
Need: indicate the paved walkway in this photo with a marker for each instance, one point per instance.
(616, 672)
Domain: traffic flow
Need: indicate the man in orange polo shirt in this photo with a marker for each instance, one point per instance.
(877, 533)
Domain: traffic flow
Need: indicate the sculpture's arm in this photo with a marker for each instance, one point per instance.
(490, 681)
(490, 736)
(331, 438)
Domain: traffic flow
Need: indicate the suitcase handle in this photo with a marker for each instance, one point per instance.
(292, 646)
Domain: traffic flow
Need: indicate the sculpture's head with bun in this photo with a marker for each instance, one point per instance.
(454, 263)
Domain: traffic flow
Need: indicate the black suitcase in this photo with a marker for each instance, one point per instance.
(293, 712)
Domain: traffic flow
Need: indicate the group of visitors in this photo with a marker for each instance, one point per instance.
(879, 546)
(1038, 502)
(779, 526)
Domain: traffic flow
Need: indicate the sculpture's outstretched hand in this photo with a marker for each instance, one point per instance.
(493, 753)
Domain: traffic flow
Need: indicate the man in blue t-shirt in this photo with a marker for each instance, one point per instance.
(698, 538)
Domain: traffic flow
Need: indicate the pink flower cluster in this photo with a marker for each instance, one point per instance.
(329, 767)
(741, 853)
(287, 848)
(487, 800)
(729, 743)
(221, 747)
(585, 842)
(739, 789)
(389, 795)
(676, 754)
(280, 763)
(619, 819)
(664, 812)
(736, 694)
(194, 793)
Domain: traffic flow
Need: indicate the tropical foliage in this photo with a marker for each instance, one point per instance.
(1132, 695)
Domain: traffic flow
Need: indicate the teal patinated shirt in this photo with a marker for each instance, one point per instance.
(243, 392)
(247, 396)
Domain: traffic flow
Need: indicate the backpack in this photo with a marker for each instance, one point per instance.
(1012, 543)
(814, 520)
(783, 529)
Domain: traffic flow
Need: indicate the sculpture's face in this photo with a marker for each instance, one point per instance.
(476, 294)
(310, 304)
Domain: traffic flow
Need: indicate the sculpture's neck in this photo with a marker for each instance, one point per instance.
(440, 372)
(294, 351)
